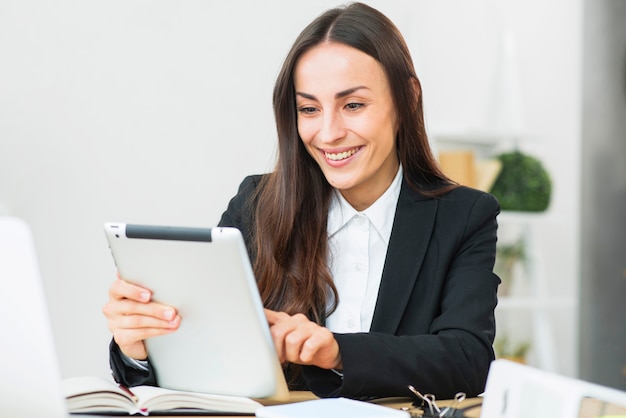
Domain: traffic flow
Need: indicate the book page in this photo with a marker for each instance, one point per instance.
(93, 394)
(96, 394)
(156, 399)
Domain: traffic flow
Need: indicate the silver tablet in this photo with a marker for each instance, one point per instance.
(223, 345)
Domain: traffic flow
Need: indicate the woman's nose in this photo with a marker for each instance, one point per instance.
(332, 128)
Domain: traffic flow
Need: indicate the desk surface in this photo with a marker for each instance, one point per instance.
(589, 408)
(390, 402)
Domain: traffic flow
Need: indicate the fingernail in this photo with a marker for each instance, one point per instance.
(168, 314)
(145, 296)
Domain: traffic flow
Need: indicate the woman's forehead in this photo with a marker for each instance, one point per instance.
(335, 67)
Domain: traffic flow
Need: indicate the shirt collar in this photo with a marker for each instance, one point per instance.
(341, 212)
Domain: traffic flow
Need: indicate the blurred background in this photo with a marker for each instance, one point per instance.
(154, 111)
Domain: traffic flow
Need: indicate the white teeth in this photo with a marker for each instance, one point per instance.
(341, 155)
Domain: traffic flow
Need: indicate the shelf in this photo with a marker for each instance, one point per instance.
(509, 216)
(484, 143)
(537, 310)
(530, 302)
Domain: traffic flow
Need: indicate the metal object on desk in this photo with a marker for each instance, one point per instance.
(428, 407)
(427, 399)
(458, 398)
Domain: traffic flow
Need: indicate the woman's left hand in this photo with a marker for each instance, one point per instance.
(301, 341)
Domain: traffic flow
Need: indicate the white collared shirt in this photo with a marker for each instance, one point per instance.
(358, 244)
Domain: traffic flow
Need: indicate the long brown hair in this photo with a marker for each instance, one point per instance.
(291, 242)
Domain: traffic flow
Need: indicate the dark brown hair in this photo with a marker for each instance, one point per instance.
(291, 242)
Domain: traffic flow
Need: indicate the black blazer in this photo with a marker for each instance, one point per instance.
(433, 324)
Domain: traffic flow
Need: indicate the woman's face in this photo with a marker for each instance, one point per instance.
(347, 120)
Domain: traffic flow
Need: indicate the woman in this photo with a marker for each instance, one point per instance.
(375, 269)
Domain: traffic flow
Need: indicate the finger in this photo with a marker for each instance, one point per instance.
(121, 289)
(142, 321)
(126, 307)
(126, 337)
(278, 337)
(280, 324)
(274, 317)
(270, 315)
(309, 348)
(130, 332)
(306, 342)
(320, 349)
(294, 330)
(296, 339)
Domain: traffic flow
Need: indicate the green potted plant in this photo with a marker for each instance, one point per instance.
(523, 184)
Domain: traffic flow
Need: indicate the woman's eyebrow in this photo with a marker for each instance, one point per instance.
(306, 95)
(338, 95)
(349, 91)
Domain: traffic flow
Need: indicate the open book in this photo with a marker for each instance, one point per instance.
(92, 394)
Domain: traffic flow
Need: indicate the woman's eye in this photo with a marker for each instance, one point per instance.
(354, 106)
(307, 110)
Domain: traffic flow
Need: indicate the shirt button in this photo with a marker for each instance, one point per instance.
(358, 267)
(359, 220)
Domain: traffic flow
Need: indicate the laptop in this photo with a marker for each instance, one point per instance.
(30, 378)
(517, 390)
(223, 345)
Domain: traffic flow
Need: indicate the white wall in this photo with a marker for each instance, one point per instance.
(153, 111)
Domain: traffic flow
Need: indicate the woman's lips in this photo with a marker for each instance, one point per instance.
(341, 155)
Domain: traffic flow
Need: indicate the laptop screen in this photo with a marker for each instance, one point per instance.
(30, 379)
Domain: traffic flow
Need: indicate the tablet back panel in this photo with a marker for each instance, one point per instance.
(223, 345)
(30, 378)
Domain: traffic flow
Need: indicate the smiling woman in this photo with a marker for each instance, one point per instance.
(374, 268)
(347, 120)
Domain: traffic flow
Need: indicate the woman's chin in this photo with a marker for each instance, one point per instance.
(340, 183)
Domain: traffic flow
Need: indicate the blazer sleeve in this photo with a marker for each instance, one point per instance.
(127, 374)
(240, 210)
(443, 343)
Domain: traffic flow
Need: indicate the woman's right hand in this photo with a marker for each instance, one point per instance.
(133, 316)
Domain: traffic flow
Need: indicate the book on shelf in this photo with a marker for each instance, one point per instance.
(93, 394)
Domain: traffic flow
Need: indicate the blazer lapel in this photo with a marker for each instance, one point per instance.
(412, 227)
